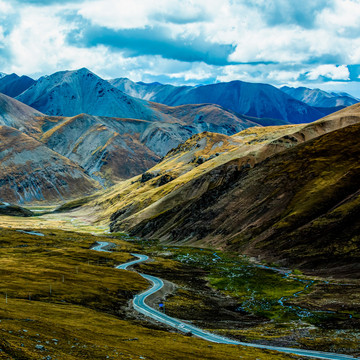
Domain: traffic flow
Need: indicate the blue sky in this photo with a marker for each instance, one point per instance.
(314, 43)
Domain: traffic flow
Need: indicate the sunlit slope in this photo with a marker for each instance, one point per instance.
(190, 160)
(132, 201)
(110, 149)
(249, 191)
(300, 206)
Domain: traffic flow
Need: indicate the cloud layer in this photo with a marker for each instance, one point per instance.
(313, 42)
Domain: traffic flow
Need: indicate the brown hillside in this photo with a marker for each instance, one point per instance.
(30, 171)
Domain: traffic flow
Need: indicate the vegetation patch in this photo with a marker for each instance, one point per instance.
(61, 300)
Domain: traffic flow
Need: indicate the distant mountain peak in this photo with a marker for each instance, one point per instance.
(13, 85)
(252, 99)
(71, 92)
(320, 98)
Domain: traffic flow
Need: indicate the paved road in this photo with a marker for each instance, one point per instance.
(140, 306)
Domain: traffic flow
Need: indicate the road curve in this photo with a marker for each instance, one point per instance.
(140, 306)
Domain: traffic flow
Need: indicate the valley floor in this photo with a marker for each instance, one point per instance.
(62, 300)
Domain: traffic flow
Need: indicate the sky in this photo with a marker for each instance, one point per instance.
(312, 43)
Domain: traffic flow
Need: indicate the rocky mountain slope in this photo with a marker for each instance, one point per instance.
(70, 93)
(20, 116)
(212, 117)
(111, 149)
(305, 213)
(13, 85)
(320, 98)
(30, 171)
(151, 92)
(258, 100)
(260, 192)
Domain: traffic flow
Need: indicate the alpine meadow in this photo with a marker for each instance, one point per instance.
(179, 180)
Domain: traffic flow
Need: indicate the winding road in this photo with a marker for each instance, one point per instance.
(157, 284)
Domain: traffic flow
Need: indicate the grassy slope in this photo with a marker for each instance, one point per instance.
(84, 317)
(249, 146)
(310, 187)
(205, 201)
(181, 164)
(14, 210)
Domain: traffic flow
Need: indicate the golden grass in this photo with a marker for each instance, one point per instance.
(83, 318)
(181, 164)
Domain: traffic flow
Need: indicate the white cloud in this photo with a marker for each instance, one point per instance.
(5, 7)
(124, 14)
(344, 15)
(330, 71)
(285, 50)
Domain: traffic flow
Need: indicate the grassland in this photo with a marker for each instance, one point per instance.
(85, 315)
(219, 291)
(237, 297)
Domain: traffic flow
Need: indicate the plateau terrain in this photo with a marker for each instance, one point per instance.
(179, 180)
(244, 221)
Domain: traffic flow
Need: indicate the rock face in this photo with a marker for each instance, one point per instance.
(13, 85)
(258, 100)
(110, 149)
(30, 171)
(208, 117)
(291, 195)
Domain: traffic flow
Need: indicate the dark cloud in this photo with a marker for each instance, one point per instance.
(329, 58)
(152, 41)
(284, 12)
(354, 71)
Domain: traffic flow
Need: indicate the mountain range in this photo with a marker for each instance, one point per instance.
(244, 98)
(103, 130)
(69, 93)
(13, 85)
(258, 100)
(320, 98)
(275, 192)
(106, 149)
